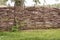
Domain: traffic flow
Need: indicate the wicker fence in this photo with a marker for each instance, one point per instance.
(30, 18)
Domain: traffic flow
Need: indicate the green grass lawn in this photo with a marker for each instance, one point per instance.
(49, 34)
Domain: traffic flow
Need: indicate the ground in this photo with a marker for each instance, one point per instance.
(43, 34)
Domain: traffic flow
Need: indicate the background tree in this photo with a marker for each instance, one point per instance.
(21, 2)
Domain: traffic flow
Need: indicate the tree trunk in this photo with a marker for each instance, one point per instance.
(18, 8)
(19, 5)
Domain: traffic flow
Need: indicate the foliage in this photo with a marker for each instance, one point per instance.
(2, 2)
(36, 1)
(54, 5)
(16, 26)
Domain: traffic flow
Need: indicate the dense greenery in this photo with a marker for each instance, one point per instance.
(49, 34)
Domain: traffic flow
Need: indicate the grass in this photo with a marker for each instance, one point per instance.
(49, 34)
